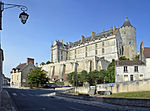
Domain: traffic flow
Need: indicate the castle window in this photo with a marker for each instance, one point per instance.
(103, 51)
(95, 52)
(135, 68)
(125, 69)
(102, 44)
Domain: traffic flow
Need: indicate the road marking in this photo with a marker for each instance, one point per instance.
(14, 94)
(76, 109)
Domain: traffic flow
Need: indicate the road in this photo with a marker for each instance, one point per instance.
(34, 100)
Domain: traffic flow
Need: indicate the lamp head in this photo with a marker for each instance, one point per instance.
(23, 16)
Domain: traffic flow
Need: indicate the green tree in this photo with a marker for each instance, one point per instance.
(110, 73)
(37, 76)
(102, 74)
(48, 62)
(123, 58)
(42, 63)
(72, 78)
(93, 77)
(83, 77)
(136, 57)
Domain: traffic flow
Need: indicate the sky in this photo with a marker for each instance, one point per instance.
(65, 20)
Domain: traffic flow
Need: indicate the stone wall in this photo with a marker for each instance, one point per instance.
(147, 68)
(58, 70)
(140, 85)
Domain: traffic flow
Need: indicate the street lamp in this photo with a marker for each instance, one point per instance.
(23, 16)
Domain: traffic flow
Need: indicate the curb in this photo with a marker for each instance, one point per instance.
(102, 104)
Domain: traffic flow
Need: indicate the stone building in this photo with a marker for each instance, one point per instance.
(18, 75)
(128, 70)
(5, 80)
(91, 53)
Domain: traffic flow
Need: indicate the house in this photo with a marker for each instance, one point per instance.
(131, 70)
(18, 75)
(5, 80)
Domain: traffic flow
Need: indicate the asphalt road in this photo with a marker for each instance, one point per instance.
(35, 100)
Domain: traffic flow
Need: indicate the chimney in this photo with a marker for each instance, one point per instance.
(103, 30)
(61, 41)
(82, 37)
(93, 34)
(114, 28)
(30, 60)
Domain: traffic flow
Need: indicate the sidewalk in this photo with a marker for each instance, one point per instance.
(7, 104)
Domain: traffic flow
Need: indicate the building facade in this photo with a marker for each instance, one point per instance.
(5, 80)
(91, 53)
(128, 70)
(18, 75)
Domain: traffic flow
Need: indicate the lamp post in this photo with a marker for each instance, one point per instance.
(23, 17)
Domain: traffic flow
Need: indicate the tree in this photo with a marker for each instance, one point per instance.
(123, 58)
(42, 63)
(110, 73)
(48, 62)
(136, 57)
(93, 77)
(72, 78)
(37, 76)
(102, 74)
(83, 77)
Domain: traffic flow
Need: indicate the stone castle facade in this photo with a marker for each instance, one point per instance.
(91, 53)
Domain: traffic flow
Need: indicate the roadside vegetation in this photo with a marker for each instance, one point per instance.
(93, 77)
(140, 95)
(37, 77)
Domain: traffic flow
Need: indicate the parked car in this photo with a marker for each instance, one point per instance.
(50, 85)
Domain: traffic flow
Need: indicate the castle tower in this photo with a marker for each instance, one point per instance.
(128, 35)
(58, 51)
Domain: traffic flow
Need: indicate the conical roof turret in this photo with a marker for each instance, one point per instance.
(126, 23)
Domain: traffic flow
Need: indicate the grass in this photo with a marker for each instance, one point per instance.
(140, 95)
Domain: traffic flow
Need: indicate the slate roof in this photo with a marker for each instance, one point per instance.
(129, 63)
(147, 52)
(21, 66)
(126, 23)
(90, 38)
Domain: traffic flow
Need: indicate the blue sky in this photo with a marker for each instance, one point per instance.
(65, 20)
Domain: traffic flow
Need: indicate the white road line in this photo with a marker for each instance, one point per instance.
(14, 94)
(76, 109)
